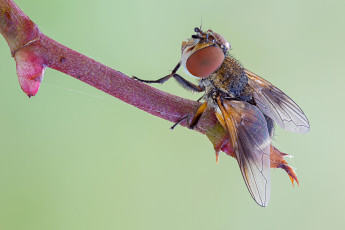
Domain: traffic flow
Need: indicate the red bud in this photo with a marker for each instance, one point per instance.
(30, 70)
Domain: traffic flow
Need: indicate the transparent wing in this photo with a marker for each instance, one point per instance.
(277, 105)
(251, 142)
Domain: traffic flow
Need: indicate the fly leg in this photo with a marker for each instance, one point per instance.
(195, 119)
(181, 119)
(163, 79)
(187, 84)
(183, 82)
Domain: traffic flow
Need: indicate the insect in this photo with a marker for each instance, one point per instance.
(246, 105)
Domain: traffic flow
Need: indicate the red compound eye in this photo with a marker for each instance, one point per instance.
(205, 61)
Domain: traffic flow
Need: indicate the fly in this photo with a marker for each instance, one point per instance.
(246, 105)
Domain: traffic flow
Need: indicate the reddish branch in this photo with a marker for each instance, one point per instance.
(33, 52)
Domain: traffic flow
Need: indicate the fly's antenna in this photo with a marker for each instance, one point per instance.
(201, 24)
(197, 30)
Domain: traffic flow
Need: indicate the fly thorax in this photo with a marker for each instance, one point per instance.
(237, 84)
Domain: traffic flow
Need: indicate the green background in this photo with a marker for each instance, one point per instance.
(73, 157)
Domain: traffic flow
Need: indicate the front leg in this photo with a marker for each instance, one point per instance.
(163, 79)
(183, 82)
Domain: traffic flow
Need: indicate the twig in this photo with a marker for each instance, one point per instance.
(33, 52)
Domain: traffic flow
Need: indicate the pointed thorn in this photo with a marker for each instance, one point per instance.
(292, 180)
(284, 154)
(290, 172)
(217, 157)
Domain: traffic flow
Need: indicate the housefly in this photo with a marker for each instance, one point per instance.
(246, 105)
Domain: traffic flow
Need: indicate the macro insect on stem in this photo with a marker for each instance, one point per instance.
(246, 105)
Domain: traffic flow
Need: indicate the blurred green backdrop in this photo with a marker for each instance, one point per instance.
(75, 158)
